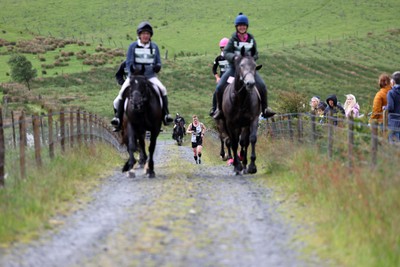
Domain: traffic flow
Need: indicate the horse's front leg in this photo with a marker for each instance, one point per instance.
(143, 155)
(131, 149)
(244, 144)
(222, 150)
(236, 162)
(253, 140)
(152, 146)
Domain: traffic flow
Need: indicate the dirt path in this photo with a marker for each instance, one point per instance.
(189, 215)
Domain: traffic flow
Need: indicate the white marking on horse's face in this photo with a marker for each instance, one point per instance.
(136, 81)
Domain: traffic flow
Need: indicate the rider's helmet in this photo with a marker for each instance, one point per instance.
(224, 41)
(241, 19)
(144, 26)
(177, 114)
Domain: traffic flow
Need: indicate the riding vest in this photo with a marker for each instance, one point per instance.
(144, 55)
(223, 65)
(247, 46)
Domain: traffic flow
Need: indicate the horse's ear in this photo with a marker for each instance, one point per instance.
(132, 69)
(258, 67)
(242, 51)
(253, 51)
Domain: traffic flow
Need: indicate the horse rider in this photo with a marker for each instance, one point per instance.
(142, 54)
(178, 120)
(241, 38)
(223, 65)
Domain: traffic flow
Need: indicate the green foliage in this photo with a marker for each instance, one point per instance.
(21, 69)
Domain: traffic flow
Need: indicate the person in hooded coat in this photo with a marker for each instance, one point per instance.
(393, 108)
(334, 107)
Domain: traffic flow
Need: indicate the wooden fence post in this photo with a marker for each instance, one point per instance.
(350, 140)
(91, 127)
(85, 126)
(78, 126)
(51, 137)
(13, 129)
(62, 129)
(330, 134)
(385, 124)
(22, 144)
(313, 127)
(71, 127)
(290, 127)
(36, 138)
(2, 150)
(300, 128)
(374, 143)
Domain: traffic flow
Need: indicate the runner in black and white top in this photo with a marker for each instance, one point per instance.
(197, 129)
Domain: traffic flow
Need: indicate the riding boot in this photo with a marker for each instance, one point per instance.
(167, 118)
(218, 112)
(214, 104)
(119, 113)
(266, 112)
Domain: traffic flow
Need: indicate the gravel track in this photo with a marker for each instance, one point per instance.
(189, 215)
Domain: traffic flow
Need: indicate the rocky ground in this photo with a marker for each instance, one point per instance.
(189, 215)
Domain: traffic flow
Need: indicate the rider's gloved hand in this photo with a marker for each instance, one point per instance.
(156, 68)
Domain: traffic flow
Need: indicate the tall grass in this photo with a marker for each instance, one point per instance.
(28, 205)
(354, 214)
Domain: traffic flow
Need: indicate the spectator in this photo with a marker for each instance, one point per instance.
(393, 108)
(314, 102)
(334, 107)
(380, 99)
(351, 107)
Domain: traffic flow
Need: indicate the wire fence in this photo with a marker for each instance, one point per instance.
(27, 141)
(348, 140)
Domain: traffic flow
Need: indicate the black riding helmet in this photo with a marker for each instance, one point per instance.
(144, 26)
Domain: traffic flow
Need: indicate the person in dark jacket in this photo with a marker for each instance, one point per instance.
(142, 54)
(334, 107)
(393, 108)
(241, 38)
(223, 65)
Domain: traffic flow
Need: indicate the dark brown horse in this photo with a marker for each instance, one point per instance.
(241, 109)
(144, 113)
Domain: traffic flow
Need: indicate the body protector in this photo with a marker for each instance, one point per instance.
(247, 47)
(144, 55)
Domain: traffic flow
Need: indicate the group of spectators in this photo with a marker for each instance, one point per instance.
(386, 99)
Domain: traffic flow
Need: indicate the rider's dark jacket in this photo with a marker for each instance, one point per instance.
(233, 47)
(120, 76)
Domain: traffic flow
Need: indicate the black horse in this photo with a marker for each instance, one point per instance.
(143, 113)
(241, 109)
(178, 132)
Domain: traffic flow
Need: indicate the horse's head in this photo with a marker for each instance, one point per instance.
(246, 69)
(137, 90)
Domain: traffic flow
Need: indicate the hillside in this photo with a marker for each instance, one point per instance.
(310, 47)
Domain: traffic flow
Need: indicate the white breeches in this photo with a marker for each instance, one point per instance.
(154, 81)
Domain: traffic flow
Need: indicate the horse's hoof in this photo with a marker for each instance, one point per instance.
(252, 170)
(152, 175)
(131, 174)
